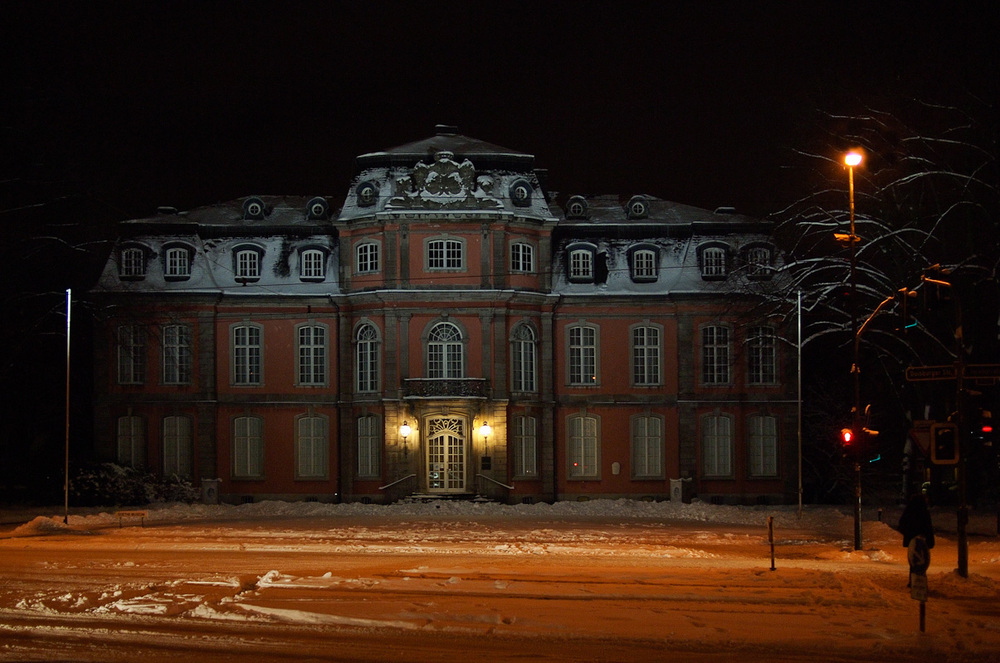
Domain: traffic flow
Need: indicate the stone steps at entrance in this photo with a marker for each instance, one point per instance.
(430, 498)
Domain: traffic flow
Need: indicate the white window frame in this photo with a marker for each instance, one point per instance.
(523, 359)
(758, 261)
(584, 447)
(131, 441)
(582, 365)
(247, 265)
(369, 443)
(312, 344)
(131, 351)
(644, 265)
(581, 265)
(445, 351)
(177, 262)
(367, 256)
(762, 446)
(312, 447)
(178, 446)
(247, 344)
(717, 446)
(716, 355)
(713, 262)
(525, 439)
(312, 264)
(176, 351)
(366, 358)
(647, 446)
(445, 255)
(133, 262)
(248, 447)
(646, 353)
(522, 258)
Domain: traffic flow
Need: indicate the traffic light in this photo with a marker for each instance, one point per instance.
(848, 442)
(944, 444)
(984, 428)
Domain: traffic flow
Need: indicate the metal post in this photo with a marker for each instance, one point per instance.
(799, 306)
(69, 299)
(855, 368)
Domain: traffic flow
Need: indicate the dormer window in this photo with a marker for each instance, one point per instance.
(758, 259)
(312, 265)
(133, 263)
(318, 209)
(637, 208)
(366, 193)
(581, 264)
(246, 263)
(177, 263)
(253, 209)
(642, 264)
(576, 208)
(520, 193)
(713, 263)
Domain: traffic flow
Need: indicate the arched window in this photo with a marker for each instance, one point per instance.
(582, 365)
(717, 446)
(584, 452)
(581, 265)
(177, 446)
(525, 446)
(644, 265)
(762, 446)
(131, 354)
(246, 265)
(133, 263)
(177, 263)
(312, 355)
(444, 352)
(311, 447)
(647, 447)
(713, 262)
(366, 358)
(761, 356)
(132, 442)
(522, 358)
(246, 354)
(313, 264)
(248, 447)
(176, 354)
(715, 353)
(366, 258)
(645, 355)
(522, 258)
(369, 446)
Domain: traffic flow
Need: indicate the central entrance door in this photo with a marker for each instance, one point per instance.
(446, 455)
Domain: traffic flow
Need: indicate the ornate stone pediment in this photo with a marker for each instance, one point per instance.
(444, 184)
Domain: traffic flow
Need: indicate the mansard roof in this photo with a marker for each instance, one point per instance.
(447, 139)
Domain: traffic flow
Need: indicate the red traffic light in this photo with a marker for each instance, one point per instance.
(847, 435)
(987, 428)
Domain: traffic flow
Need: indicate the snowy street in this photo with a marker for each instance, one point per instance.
(598, 581)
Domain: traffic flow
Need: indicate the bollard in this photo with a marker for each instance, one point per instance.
(770, 537)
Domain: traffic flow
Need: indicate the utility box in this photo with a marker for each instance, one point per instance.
(681, 490)
(210, 491)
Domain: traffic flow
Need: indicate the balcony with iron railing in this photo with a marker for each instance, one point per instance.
(472, 388)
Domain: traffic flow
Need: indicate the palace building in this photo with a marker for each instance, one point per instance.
(451, 328)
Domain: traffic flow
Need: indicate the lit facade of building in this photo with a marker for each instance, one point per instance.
(449, 330)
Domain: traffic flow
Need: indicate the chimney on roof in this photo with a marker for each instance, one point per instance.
(166, 209)
(445, 130)
(725, 210)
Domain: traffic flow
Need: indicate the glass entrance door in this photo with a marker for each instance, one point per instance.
(446, 455)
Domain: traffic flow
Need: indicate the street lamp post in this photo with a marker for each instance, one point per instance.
(852, 159)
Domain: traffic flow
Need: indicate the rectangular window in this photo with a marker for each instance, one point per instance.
(713, 262)
(715, 355)
(522, 351)
(647, 447)
(581, 265)
(133, 263)
(583, 448)
(367, 258)
(246, 355)
(717, 446)
(582, 356)
(178, 262)
(176, 354)
(311, 448)
(522, 257)
(367, 359)
(247, 264)
(312, 355)
(644, 265)
(248, 447)
(444, 254)
(758, 262)
(368, 447)
(313, 264)
(763, 451)
(177, 446)
(132, 442)
(525, 447)
(761, 356)
(131, 354)
(645, 356)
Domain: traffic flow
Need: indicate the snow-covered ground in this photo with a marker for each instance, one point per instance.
(601, 580)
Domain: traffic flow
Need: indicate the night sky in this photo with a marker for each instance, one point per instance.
(140, 104)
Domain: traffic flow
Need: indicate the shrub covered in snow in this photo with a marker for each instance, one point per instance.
(104, 484)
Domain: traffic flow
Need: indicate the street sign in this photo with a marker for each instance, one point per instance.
(982, 371)
(917, 373)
